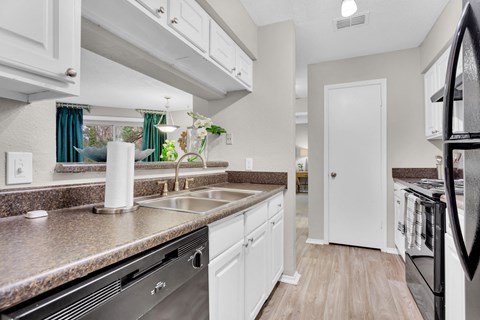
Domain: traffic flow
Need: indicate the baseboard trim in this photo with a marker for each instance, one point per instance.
(291, 279)
(390, 250)
(316, 241)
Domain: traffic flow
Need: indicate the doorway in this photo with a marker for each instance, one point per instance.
(355, 164)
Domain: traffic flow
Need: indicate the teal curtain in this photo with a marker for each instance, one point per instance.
(152, 137)
(69, 134)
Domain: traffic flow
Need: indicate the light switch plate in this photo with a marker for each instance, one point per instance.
(229, 138)
(19, 167)
(249, 164)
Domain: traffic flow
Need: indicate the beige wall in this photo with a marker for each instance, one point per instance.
(406, 142)
(263, 122)
(440, 36)
(29, 128)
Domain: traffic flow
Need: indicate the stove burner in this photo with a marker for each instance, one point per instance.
(439, 185)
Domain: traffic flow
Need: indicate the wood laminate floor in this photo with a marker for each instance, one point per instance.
(340, 282)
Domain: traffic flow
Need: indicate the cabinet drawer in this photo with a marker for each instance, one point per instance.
(275, 205)
(255, 217)
(222, 236)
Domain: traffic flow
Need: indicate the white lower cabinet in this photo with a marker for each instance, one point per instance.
(275, 250)
(255, 271)
(226, 284)
(454, 275)
(246, 260)
(454, 283)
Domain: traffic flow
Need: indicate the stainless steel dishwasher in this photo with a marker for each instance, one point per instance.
(168, 282)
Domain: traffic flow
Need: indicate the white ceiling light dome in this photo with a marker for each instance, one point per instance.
(349, 7)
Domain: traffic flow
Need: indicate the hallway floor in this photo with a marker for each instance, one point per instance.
(340, 282)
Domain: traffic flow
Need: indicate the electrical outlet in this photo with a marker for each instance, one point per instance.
(249, 164)
(229, 138)
(19, 167)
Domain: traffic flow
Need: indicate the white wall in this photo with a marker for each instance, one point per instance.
(406, 142)
(263, 122)
(440, 36)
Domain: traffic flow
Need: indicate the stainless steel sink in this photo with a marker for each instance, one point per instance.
(220, 194)
(184, 203)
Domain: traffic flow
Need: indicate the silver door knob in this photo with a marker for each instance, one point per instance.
(72, 73)
(161, 10)
(174, 21)
(333, 174)
(239, 74)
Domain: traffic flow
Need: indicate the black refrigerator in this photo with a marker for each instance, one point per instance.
(467, 241)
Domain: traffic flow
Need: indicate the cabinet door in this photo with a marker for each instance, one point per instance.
(222, 47)
(157, 7)
(399, 225)
(40, 36)
(244, 67)
(454, 283)
(255, 271)
(226, 284)
(275, 250)
(191, 21)
(432, 110)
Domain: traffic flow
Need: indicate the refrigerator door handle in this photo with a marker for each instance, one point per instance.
(469, 261)
(451, 71)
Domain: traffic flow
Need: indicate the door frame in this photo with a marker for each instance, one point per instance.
(327, 88)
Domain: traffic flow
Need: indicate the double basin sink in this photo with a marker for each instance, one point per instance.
(200, 202)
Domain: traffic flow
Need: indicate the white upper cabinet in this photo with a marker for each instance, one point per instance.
(40, 49)
(168, 40)
(158, 8)
(244, 68)
(434, 80)
(222, 47)
(191, 21)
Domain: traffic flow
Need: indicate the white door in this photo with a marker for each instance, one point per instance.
(226, 284)
(255, 271)
(355, 163)
(43, 40)
(244, 67)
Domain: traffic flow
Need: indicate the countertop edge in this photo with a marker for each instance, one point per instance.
(34, 286)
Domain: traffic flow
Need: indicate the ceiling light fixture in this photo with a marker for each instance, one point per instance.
(168, 126)
(349, 7)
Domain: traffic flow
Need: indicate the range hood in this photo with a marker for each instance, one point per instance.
(458, 93)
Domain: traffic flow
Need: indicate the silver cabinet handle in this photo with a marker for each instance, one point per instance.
(161, 10)
(72, 73)
(233, 69)
(398, 201)
(251, 240)
(239, 74)
(435, 131)
(174, 21)
(333, 174)
(273, 223)
(245, 244)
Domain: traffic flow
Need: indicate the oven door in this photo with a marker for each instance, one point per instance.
(429, 259)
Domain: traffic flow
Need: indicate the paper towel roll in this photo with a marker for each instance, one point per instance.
(120, 174)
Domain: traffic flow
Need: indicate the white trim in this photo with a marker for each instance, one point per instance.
(291, 279)
(391, 251)
(301, 117)
(316, 241)
(88, 118)
(383, 85)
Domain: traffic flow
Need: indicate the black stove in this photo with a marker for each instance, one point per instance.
(433, 188)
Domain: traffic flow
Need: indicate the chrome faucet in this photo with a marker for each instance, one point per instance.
(177, 168)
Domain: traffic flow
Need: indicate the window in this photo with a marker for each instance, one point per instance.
(98, 134)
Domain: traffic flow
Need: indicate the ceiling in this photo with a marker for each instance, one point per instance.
(108, 84)
(393, 25)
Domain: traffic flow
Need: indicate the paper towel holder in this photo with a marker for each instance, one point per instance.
(102, 210)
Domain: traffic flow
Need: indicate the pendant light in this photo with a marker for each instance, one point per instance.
(168, 126)
(349, 7)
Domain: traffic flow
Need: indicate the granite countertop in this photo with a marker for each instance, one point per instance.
(41, 254)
